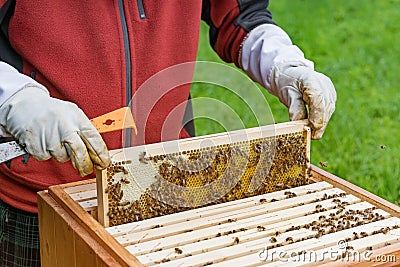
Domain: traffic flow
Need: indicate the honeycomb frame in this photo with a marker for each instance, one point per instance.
(164, 178)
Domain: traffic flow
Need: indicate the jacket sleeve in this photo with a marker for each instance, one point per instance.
(230, 21)
(11, 81)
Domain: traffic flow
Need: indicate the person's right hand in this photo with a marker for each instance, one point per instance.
(48, 127)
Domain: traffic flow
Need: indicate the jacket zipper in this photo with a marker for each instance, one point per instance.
(127, 66)
(142, 14)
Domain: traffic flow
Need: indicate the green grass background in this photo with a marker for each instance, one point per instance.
(357, 44)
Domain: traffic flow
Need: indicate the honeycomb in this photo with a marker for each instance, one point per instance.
(207, 176)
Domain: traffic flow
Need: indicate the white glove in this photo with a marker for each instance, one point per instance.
(269, 57)
(48, 127)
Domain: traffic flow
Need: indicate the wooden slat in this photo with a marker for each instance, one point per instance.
(81, 186)
(102, 198)
(89, 205)
(85, 195)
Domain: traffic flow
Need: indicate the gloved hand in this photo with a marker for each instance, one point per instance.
(296, 86)
(48, 127)
(269, 57)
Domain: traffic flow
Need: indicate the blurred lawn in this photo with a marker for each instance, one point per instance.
(357, 44)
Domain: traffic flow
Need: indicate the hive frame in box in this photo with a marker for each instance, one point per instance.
(69, 232)
(135, 155)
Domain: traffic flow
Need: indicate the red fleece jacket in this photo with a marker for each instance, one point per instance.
(97, 53)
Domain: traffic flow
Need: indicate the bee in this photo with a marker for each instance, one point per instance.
(318, 206)
(383, 147)
(277, 233)
(263, 200)
(125, 203)
(369, 248)
(125, 181)
(289, 239)
(232, 220)
(355, 235)
(178, 251)
(260, 228)
(323, 164)
(142, 157)
(349, 248)
(236, 241)
(272, 240)
(363, 234)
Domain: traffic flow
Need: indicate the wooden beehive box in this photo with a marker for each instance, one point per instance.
(314, 219)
